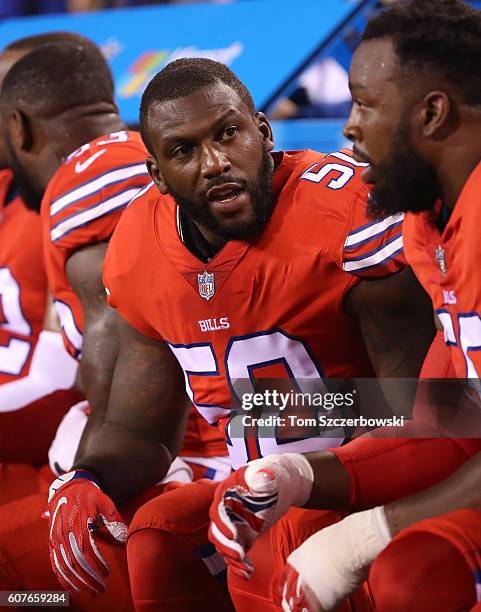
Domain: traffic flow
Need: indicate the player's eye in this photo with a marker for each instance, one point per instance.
(229, 132)
(182, 151)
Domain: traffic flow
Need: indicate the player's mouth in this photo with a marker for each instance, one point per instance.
(227, 198)
(367, 174)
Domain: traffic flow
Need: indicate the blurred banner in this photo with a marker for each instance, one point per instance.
(264, 42)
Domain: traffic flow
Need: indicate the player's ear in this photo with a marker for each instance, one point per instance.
(436, 112)
(21, 131)
(265, 129)
(156, 174)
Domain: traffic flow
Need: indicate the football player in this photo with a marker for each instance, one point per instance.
(416, 120)
(34, 365)
(249, 263)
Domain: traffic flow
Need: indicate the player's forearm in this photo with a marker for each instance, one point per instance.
(99, 355)
(124, 461)
(461, 490)
(331, 487)
(382, 470)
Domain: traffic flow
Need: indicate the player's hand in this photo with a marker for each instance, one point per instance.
(330, 565)
(296, 596)
(251, 500)
(77, 508)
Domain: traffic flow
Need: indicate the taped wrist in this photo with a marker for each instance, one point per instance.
(336, 560)
(293, 478)
(69, 477)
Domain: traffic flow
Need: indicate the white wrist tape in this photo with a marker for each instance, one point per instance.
(336, 560)
(51, 369)
(294, 478)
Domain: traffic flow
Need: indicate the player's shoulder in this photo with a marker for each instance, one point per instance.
(86, 196)
(321, 190)
(337, 174)
(102, 163)
(333, 196)
(330, 185)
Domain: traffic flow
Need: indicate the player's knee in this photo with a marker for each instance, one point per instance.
(145, 550)
(182, 511)
(161, 566)
(421, 571)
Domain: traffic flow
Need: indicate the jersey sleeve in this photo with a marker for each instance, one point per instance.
(373, 248)
(88, 198)
(360, 245)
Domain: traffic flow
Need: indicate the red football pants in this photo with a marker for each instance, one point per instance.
(172, 565)
(432, 565)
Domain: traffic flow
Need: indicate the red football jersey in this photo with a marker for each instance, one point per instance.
(446, 264)
(81, 206)
(23, 284)
(256, 308)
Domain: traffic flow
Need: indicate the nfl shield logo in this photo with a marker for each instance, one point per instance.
(206, 285)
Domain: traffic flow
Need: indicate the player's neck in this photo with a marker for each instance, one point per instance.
(454, 175)
(459, 158)
(203, 246)
(91, 127)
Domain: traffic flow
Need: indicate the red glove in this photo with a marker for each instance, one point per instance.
(77, 508)
(251, 500)
(294, 596)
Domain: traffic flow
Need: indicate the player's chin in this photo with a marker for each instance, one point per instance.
(233, 218)
(244, 228)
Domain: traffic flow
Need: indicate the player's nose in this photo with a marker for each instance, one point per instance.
(214, 161)
(352, 130)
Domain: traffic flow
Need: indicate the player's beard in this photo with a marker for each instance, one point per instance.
(404, 181)
(260, 192)
(30, 196)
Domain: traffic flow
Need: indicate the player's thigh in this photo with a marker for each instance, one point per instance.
(431, 565)
(181, 509)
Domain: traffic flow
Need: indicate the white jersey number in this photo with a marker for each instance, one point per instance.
(469, 340)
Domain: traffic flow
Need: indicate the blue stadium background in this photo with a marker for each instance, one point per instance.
(268, 43)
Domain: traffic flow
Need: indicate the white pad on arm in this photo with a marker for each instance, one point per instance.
(178, 471)
(336, 560)
(63, 449)
(51, 369)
